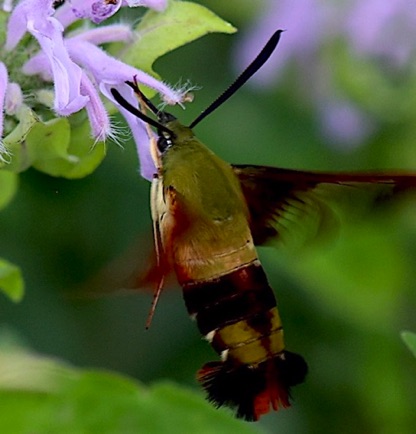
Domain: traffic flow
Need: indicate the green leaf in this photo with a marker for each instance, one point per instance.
(160, 33)
(49, 140)
(61, 150)
(15, 142)
(39, 394)
(8, 187)
(11, 281)
(83, 147)
(409, 339)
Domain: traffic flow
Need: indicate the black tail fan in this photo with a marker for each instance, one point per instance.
(253, 391)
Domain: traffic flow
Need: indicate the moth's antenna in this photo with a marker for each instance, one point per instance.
(136, 112)
(254, 66)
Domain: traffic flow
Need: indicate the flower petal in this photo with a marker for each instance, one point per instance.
(106, 34)
(66, 74)
(108, 73)
(16, 26)
(38, 65)
(137, 127)
(35, 17)
(94, 10)
(97, 114)
(14, 98)
(107, 69)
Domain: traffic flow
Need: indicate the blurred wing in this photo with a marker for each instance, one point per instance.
(293, 206)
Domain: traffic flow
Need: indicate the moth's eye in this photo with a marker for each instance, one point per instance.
(164, 142)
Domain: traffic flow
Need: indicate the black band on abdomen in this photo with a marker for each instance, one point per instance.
(238, 295)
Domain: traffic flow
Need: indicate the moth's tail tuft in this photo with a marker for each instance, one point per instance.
(253, 391)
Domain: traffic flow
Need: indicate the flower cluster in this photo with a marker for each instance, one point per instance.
(378, 30)
(75, 63)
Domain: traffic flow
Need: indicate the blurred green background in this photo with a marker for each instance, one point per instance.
(343, 304)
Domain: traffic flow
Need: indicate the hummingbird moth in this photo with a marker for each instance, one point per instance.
(208, 218)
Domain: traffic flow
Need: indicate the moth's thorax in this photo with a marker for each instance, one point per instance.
(204, 217)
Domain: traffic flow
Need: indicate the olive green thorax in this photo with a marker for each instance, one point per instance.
(206, 183)
(209, 208)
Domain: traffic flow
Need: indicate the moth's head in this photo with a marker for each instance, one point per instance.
(166, 136)
(173, 132)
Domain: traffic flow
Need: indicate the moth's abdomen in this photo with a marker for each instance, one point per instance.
(231, 298)
(237, 314)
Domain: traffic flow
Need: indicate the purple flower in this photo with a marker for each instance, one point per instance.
(378, 29)
(35, 16)
(78, 68)
(108, 73)
(99, 10)
(343, 122)
(383, 29)
(304, 21)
